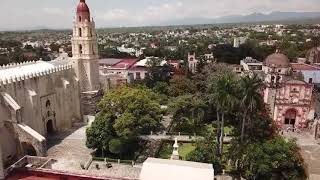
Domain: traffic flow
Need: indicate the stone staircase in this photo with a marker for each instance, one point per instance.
(26, 134)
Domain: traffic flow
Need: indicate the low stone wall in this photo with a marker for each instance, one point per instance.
(28, 135)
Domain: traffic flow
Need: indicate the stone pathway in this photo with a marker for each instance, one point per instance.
(310, 151)
(69, 149)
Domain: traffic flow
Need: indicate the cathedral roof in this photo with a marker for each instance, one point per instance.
(82, 7)
(17, 72)
(278, 60)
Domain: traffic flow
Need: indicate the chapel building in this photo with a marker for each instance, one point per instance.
(288, 96)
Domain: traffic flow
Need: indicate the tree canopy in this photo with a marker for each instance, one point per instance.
(125, 113)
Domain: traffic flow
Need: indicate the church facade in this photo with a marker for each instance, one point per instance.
(40, 98)
(289, 98)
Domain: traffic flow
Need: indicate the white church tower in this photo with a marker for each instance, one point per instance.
(85, 49)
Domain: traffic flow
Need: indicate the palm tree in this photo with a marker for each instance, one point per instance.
(250, 97)
(224, 95)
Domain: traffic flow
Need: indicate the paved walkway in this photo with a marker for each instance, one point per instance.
(181, 138)
(69, 149)
(310, 151)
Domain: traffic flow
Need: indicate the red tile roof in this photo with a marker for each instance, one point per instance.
(304, 67)
(124, 64)
(47, 174)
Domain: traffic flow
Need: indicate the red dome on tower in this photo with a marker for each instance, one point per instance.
(83, 12)
(82, 7)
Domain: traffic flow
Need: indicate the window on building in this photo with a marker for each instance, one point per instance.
(310, 80)
(80, 19)
(138, 75)
(48, 104)
(279, 70)
(90, 32)
(80, 32)
(80, 49)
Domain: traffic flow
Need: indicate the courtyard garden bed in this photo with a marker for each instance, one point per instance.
(166, 149)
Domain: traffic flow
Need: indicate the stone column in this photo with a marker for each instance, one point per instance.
(1, 166)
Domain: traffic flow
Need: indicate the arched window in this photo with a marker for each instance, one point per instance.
(48, 104)
(93, 50)
(80, 32)
(80, 19)
(90, 32)
(80, 49)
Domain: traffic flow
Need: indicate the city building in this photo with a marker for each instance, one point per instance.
(310, 73)
(237, 41)
(192, 62)
(289, 98)
(40, 98)
(250, 64)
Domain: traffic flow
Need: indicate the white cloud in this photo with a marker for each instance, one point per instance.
(53, 11)
(59, 13)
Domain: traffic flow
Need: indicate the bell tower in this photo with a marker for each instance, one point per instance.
(85, 49)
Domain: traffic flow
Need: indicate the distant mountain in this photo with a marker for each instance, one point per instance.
(251, 18)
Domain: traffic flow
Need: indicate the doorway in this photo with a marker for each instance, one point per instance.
(28, 149)
(50, 127)
(290, 117)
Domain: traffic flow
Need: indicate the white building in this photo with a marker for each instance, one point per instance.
(237, 41)
(163, 169)
(311, 73)
(250, 64)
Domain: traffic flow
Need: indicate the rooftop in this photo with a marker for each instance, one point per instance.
(159, 169)
(251, 60)
(144, 62)
(124, 64)
(109, 61)
(304, 67)
(12, 71)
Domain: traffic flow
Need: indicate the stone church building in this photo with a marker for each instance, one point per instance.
(40, 98)
(290, 98)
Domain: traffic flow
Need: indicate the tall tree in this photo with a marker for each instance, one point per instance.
(251, 98)
(125, 114)
(224, 94)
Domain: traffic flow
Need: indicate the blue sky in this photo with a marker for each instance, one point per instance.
(108, 13)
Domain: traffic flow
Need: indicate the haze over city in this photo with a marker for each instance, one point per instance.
(160, 90)
(57, 14)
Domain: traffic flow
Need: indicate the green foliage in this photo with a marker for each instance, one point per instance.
(158, 72)
(112, 53)
(188, 112)
(250, 98)
(205, 151)
(116, 146)
(161, 88)
(125, 113)
(273, 159)
(180, 85)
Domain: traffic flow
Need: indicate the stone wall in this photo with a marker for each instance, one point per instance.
(39, 98)
(89, 101)
(60, 88)
(1, 165)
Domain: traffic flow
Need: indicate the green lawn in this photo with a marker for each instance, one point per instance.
(212, 128)
(166, 150)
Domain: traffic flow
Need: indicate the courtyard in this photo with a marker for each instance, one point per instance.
(69, 150)
(310, 149)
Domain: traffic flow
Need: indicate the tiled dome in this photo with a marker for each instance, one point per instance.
(277, 60)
